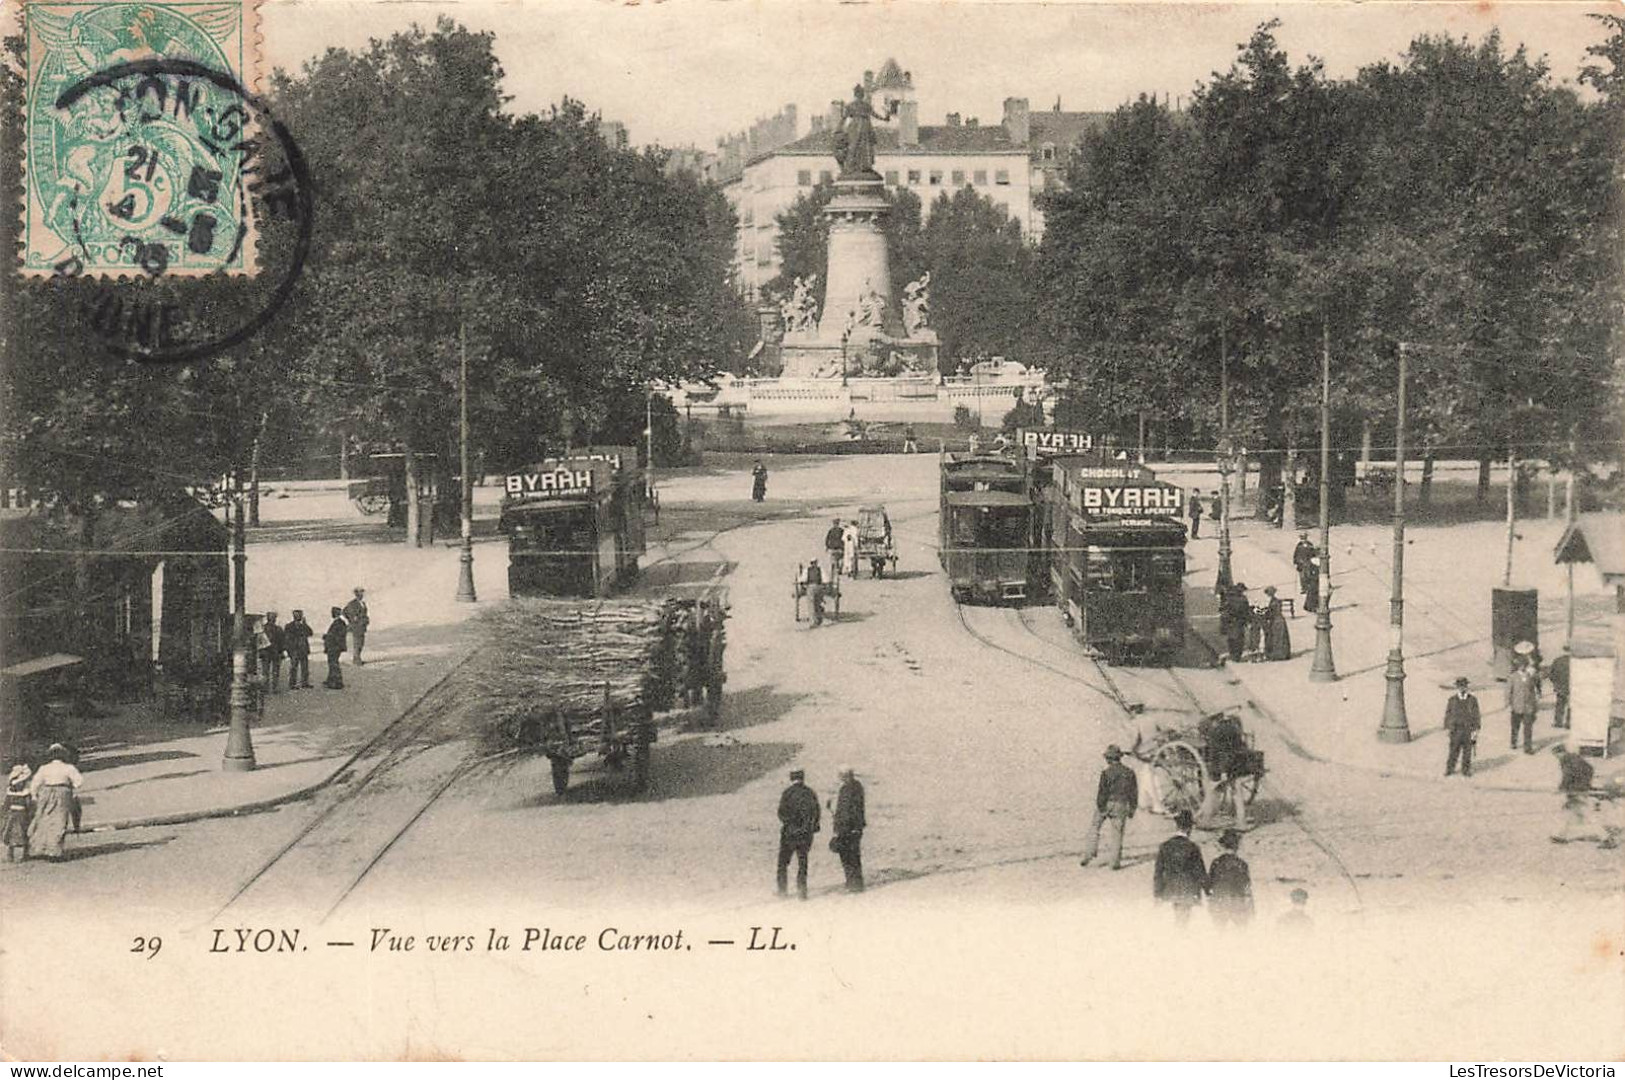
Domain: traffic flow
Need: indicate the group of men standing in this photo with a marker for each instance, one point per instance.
(800, 819)
(276, 641)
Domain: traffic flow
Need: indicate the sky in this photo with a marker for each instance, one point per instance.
(688, 71)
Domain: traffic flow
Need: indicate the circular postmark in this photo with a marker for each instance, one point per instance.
(188, 200)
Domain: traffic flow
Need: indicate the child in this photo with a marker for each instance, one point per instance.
(19, 808)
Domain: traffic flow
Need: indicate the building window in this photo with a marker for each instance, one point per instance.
(959, 178)
(1002, 176)
(1047, 152)
(914, 177)
(891, 177)
(825, 177)
(936, 176)
(804, 178)
(981, 177)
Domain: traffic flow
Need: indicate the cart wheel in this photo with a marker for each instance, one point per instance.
(640, 766)
(372, 504)
(1178, 777)
(1247, 786)
(561, 774)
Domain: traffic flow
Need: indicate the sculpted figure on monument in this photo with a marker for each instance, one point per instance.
(917, 305)
(801, 310)
(855, 142)
(871, 306)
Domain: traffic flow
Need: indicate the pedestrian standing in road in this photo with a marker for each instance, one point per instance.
(333, 646)
(799, 821)
(54, 790)
(296, 642)
(1277, 638)
(1559, 674)
(1194, 512)
(1230, 884)
(812, 579)
(910, 444)
(758, 481)
(1234, 615)
(1180, 877)
(19, 809)
(355, 613)
(1303, 561)
(1461, 720)
(272, 651)
(835, 546)
(1296, 919)
(849, 822)
(849, 548)
(1523, 698)
(1116, 798)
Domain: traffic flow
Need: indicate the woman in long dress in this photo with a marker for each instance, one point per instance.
(55, 789)
(1277, 638)
(849, 548)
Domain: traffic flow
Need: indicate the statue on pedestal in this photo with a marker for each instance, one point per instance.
(871, 306)
(855, 141)
(917, 305)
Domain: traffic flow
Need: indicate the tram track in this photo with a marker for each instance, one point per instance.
(1113, 691)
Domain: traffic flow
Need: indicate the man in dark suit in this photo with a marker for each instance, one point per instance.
(296, 641)
(1115, 802)
(849, 823)
(1461, 720)
(799, 820)
(333, 645)
(835, 545)
(1180, 877)
(1303, 561)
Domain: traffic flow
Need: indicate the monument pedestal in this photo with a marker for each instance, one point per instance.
(859, 265)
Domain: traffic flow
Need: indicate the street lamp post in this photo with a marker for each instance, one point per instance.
(1324, 669)
(1222, 583)
(1395, 727)
(465, 560)
(239, 741)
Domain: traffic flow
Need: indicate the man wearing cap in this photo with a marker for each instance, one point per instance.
(1461, 720)
(812, 577)
(835, 544)
(1180, 877)
(799, 820)
(1523, 696)
(355, 613)
(296, 641)
(1115, 801)
(849, 822)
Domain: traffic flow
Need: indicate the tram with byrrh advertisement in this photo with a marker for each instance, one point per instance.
(1116, 538)
(985, 527)
(574, 523)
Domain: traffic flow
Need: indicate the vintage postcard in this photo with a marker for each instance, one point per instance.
(910, 531)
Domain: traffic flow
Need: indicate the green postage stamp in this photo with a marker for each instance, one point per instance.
(139, 133)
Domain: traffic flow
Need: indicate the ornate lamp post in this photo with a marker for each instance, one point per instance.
(1324, 669)
(239, 742)
(1395, 726)
(465, 569)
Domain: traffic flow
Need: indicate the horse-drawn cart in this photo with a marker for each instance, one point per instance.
(1200, 769)
(370, 495)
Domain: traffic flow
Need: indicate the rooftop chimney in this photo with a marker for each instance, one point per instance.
(953, 119)
(908, 123)
(837, 112)
(1017, 122)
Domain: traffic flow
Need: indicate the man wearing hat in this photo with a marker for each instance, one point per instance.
(1115, 801)
(1230, 884)
(355, 613)
(1303, 560)
(835, 545)
(1180, 877)
(1523, 695)
(849, 822)
(799, 820)
(1461, 720)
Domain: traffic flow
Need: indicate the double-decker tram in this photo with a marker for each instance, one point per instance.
(574, 524)
(1117, 557)
(985, 527)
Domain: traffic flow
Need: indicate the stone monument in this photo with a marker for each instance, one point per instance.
(860, 331)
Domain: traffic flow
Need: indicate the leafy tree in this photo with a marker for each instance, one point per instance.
(981, 277)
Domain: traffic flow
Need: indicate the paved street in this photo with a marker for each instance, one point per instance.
(977, 731)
